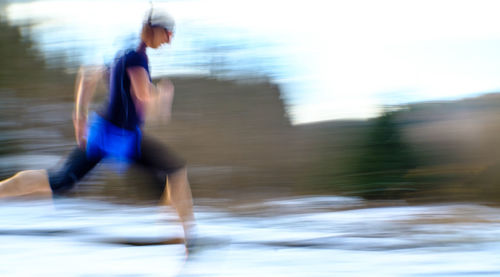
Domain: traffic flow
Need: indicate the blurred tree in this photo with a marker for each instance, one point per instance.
(24, 72)
(383, 162)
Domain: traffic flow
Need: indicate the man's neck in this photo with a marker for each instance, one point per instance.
(142, 47)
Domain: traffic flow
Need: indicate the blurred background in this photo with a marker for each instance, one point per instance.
(387, 101)
(332, 105)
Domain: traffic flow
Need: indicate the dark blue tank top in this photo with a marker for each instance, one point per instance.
(121, 110)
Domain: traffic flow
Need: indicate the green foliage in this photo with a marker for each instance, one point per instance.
(382, 164)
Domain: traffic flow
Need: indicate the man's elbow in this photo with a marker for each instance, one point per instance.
(142, 97)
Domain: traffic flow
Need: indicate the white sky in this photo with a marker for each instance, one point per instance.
(343, 59)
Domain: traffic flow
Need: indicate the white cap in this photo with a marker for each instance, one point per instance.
(157, 18)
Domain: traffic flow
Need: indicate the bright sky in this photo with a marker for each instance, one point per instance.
(339, 59)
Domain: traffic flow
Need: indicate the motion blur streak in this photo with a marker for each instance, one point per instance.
(373, 193)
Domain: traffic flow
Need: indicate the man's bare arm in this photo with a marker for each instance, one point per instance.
(85, 87)
(155, 101)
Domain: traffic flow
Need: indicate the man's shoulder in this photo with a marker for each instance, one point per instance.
(134, 58)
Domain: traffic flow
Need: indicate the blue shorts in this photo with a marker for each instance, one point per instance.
(105, 139)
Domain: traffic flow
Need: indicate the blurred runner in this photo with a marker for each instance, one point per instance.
(116, 130)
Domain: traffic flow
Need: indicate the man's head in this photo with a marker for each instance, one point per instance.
(158, 29)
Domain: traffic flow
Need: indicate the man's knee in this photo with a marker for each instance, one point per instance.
(76, 166)
(61, 181)
(180, 172)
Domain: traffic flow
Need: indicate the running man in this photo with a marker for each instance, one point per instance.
(116, 131)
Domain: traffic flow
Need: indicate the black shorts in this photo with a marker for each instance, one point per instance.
(154, 155)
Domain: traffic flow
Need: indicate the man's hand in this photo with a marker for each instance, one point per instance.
(165, 86)
(80, 124)
(165, 98)
(160, 104)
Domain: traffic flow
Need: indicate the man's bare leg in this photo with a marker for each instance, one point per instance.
(26, 182)
(178, 194)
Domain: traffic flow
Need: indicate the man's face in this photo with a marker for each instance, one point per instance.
(161, 36)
